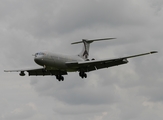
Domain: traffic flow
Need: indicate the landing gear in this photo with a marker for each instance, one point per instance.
(82, 74)
(22, 73)
(59, 77)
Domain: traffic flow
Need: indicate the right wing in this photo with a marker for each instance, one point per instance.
(39, 72)
(88, 66)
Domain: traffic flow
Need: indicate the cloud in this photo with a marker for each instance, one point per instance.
(88, 14)
(74, 94)
(24, 112)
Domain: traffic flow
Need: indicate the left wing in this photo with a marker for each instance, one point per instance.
(39, 72)
(88, 66)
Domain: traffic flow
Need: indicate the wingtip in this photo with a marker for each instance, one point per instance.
(152, 52)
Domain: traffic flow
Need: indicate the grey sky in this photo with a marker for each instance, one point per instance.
(127, 92)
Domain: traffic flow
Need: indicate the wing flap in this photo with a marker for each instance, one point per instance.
(39, 72)
(106, 64)
(43, 72)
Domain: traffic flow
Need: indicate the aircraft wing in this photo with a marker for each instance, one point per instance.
(88, 66)
(38, 72)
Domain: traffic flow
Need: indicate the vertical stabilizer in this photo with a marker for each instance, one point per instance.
(85, 52)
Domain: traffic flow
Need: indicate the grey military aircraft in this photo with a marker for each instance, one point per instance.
(59, 65)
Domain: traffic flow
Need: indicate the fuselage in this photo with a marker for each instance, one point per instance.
(52, 61)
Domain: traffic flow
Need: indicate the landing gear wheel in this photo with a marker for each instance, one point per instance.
(62, 78)
(59, 77)
(82, 74)
(85, 75)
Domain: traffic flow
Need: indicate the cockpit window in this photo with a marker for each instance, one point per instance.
(40, 54)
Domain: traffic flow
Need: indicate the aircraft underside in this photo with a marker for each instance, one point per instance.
(61, 78)
(59, 75)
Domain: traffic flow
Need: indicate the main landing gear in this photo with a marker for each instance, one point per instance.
(59, 77)
(82, 74)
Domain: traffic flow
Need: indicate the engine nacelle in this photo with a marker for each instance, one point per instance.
(22, 73)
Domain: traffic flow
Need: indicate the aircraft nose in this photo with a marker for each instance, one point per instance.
(38, 60)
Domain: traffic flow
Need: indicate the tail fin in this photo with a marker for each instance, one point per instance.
(85, 52)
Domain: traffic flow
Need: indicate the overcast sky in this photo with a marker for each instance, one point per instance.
(128, 92)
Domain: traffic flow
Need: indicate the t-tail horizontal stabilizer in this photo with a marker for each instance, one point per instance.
(85, 52)
(90, 41)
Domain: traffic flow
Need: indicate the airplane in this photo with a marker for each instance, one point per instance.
(59, 65)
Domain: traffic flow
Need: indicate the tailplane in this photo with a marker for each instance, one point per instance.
(85, 52)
